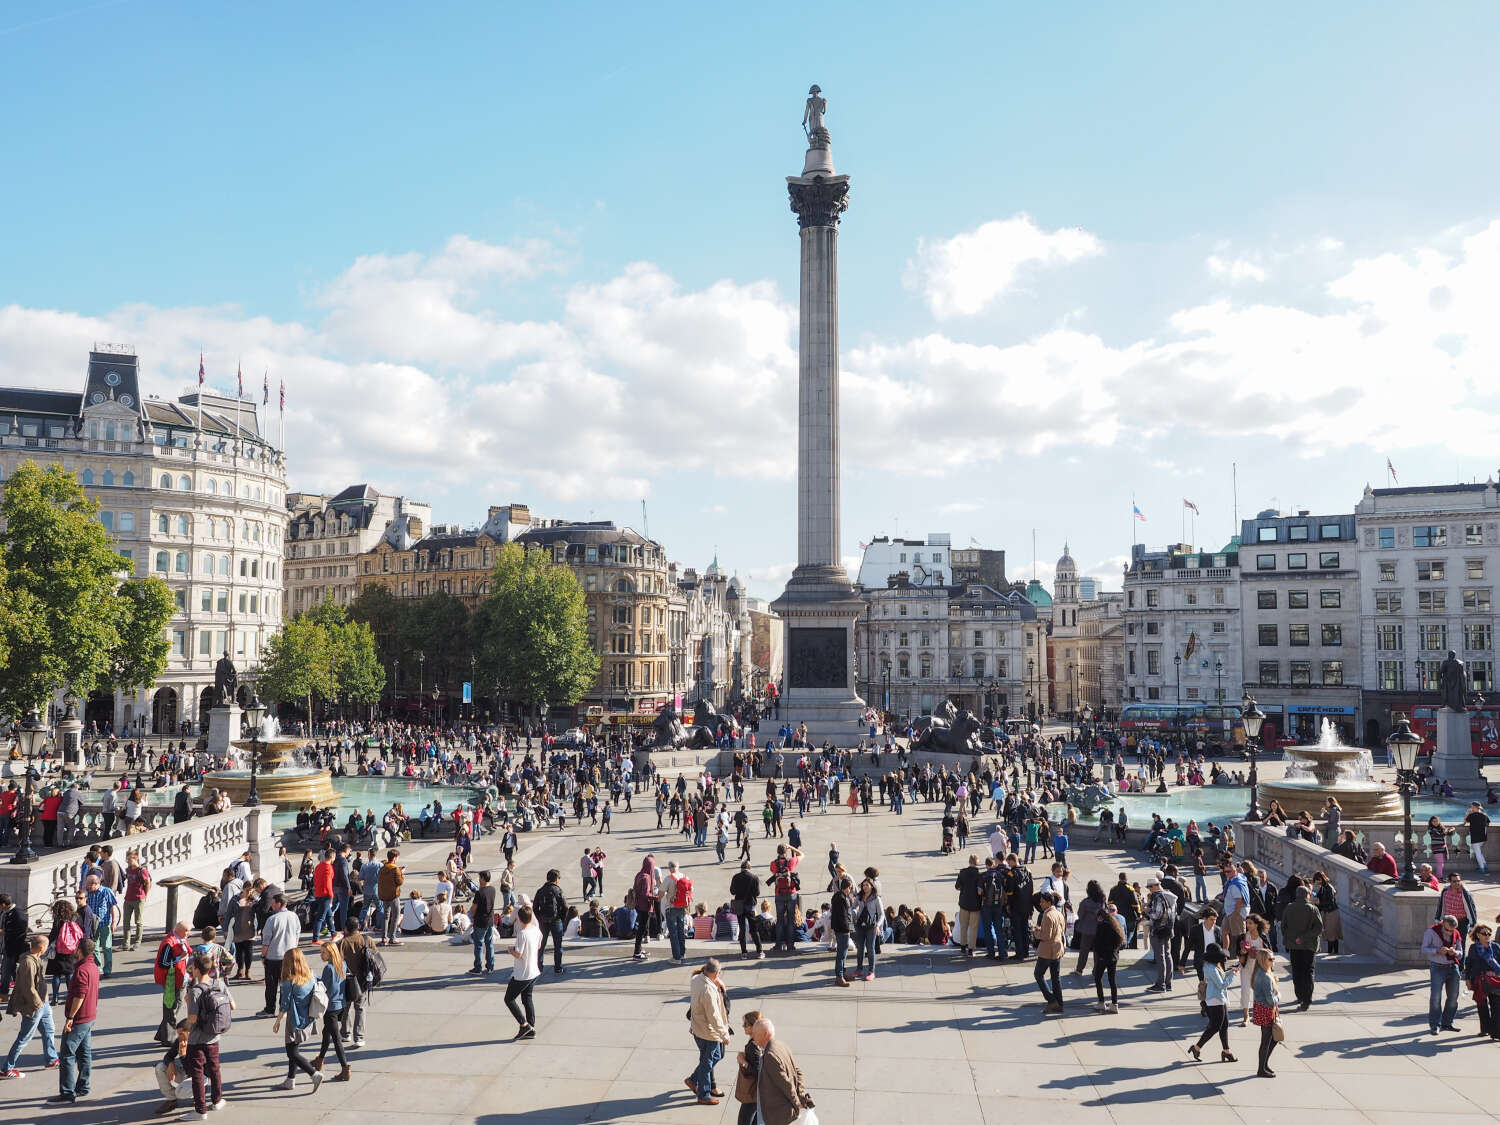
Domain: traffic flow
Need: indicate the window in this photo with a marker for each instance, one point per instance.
(1297, 533)
(902, 609)
(1297, 560)
(162, 561)
(1473, 533)
(179, 599)
(1329, 531)
(1266, 636)
(224, 565)
(1328, 560)
(180, 563)
(1296, 599)
(107, 520)
(179, 642)
(1432, 601)
(205, 642)
(1392, 675)
(1190, 597)
(927, 667)
(1433, 570)
(1299, 636)
(1434, 636)
(1265, 535)
(1153, 598)
(916, 558)
(166, 480)
(1330, 599)
(926, 639)
(182, 525)
(86, 477)
(1130, 660)
(1301, 672)
(1387, 538)
(1192, 692)
(1153, 693)
(1130, 599)
(1218, 626)
(1427, 674)
(1477, 600)
(206, 601)
(1265, 562)
(243, 600)
(1387, 603)
(208, 564)
(1482, 672)
(1270, 672)
(1388, 638)
(1153, 662)
(128, 480)
(1333, 634)
(184, 484)
(1265, 599)
(1479, 636)
(1433, 535)
(903, 667)
(1333, 673)
(978, 639)
(1153, 628)
(1218, 595)
(979, 667)
(1474, 569)
(1388, 572)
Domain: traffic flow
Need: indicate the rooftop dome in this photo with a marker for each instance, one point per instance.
(1066, 567)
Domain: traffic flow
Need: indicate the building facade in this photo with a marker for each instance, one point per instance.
(924, 562)
(1065, 656)
(412, 561)
(1300, 599)
(1101, 652)
(1428, 557)
(327, 535)
(1182, 625)
(921, 644)
(194, 494)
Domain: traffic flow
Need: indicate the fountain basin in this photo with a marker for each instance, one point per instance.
(1329, 769)
(276, 782)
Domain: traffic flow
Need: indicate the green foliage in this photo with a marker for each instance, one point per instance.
(141, 655)
(532, 630)
(296, 663)
(62, 623)
(357, 673)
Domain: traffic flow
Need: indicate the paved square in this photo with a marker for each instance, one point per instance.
(932, 1039)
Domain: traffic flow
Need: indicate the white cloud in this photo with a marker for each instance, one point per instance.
(1235, 269)
(959, 276)
(959, 507)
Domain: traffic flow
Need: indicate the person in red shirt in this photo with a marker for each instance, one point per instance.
(50, 804)
(783, 869)
(323, 898)
(1381, 861)
(9, 798)
(77, 1040)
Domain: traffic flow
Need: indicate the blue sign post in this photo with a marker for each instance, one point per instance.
(468, 692)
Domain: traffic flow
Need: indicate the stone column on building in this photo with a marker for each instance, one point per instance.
(819, 605)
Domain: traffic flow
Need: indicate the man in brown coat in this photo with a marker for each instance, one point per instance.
(779, 1092)
(28, 1002)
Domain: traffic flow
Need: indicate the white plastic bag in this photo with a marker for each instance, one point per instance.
(806, 1117)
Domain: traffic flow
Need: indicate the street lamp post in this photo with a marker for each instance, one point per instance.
(1219, 674)
(33, 735)
(1177, 711)
(1404, 746)
(1086, 719)
(255, 710)
(421, 682)
(886, 697)
(436, 695)
(1253, 717)
(395, 679)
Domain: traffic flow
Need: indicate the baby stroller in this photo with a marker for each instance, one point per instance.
(949, 823)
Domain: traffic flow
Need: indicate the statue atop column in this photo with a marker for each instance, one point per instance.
(812, 118)
(226, 681)
(1453, 683)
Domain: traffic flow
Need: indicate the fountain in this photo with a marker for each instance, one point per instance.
(277, 781)
(1330, 769)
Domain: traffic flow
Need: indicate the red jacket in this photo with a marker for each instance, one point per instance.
(323, 880)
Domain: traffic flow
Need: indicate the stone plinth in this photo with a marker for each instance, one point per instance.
(223, 729)
(1454, 759)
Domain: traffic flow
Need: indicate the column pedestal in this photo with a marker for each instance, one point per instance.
(1454, 760)
(223, 729)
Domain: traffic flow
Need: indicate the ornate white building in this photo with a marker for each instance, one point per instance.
(193, 493)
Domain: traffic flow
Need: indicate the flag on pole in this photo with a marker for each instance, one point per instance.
(265, 389)
(864, 546)
(973, 541)
(283, 396)
(200, 369)
(1392, 470)
(1186, 503)
(1137, 512)
(1192, 646)
(239, 377)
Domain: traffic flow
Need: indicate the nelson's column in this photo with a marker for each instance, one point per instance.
(819, 605)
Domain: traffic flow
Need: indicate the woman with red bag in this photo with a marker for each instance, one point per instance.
(1266, 1011)
(1482, 969)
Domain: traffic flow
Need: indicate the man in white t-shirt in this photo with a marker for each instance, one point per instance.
(526, 951)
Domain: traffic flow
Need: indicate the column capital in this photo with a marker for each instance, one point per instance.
(818, 201)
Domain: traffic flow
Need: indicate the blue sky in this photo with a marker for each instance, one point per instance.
(1090, 252)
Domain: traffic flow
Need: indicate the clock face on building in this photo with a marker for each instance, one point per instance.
(126, 400)
(113, 378)
(97, 396)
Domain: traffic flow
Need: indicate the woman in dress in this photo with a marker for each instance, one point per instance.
(1333, 821)
(1437, 844)
(1254, 940)
(1266, 1010)
(1328, 903)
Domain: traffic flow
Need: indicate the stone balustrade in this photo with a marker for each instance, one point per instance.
(1379, 919)
(201, 848)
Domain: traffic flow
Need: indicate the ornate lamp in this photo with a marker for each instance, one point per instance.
(1404, 746)
(33, 736)
(255, 711)
(1253, 718)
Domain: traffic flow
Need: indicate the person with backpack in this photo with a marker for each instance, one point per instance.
(482, 917)
(643, 892)
(299, 1003)
(551, 910)
(1018, 901)
(677, 898)
(209, 1008)
(1161, 917)
(788, 886)
(171, 973)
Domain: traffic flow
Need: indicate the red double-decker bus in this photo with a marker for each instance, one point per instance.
(1484, 730)
(1209, 721)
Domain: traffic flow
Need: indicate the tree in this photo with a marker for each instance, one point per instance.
(141, 655)
(296, 664)
(532, 630)
(61, 621)
(357, 673)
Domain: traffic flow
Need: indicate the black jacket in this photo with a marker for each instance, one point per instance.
(549, 903)
(15, 932)
(843, 913)
(745, 887)
(968, 887)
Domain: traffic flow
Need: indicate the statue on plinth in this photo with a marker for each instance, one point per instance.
(226, 681)
(812, 117)
(1453, 683)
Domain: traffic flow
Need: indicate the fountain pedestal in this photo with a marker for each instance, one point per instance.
(1315, 773)
(223, 729)
(1454, 759)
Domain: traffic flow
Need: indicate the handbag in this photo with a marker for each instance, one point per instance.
(744, 1087)
(806, 1117)
(1278, 1031)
